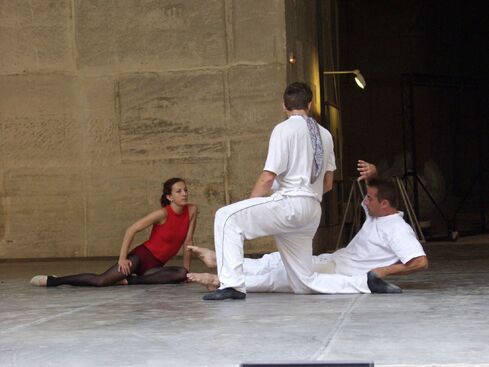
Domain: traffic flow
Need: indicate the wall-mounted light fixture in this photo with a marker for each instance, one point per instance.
(292, 58)
(358, 76)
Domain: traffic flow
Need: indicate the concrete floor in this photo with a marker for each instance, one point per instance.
(442, 318)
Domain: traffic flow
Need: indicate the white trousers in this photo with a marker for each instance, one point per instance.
(293, 221)
(268, 274)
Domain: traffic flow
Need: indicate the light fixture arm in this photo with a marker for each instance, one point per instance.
(359, 79)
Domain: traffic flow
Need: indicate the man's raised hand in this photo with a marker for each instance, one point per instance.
(366, 170)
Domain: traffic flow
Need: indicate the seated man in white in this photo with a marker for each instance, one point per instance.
(385, 244)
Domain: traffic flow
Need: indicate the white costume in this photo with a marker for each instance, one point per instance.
(382, 241)
(291, 215)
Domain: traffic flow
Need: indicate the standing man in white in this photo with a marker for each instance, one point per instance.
(299, 165)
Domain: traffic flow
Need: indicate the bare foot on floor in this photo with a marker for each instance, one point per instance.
(208, 257)
(210, 281)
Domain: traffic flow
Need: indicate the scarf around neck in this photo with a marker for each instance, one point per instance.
(318, 158)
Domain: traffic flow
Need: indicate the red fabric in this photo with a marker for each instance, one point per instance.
(146, 260)
(167, 238)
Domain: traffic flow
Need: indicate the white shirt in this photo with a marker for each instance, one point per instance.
(382, 241)
(290, 157)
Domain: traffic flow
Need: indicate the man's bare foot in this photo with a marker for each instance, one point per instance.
(210, 281)
(208, 257)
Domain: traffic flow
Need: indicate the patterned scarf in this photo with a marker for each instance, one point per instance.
(317, 163)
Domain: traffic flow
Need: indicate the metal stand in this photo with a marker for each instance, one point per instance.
(413, 220)
(409, 81)
(458, 84)
(417, 181)
(355, 197)
(478, 179)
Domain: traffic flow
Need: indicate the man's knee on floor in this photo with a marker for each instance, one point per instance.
(302, 284)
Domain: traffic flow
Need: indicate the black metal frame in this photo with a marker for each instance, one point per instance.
(408, 83)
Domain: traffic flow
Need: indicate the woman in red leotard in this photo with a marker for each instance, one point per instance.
(173, 228)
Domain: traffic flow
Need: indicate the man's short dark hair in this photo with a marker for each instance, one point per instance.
(297, 96)
(386, 190)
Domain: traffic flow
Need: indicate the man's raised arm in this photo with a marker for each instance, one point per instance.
(366, 170)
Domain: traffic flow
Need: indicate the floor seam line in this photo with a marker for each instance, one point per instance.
(337, 327)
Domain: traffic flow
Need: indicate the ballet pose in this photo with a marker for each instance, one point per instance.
(173, 227)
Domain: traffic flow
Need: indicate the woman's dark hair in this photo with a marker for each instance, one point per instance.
(167, 186)
(297, 96)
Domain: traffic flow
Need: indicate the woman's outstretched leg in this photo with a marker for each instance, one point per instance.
(163, 275)
(109, 277)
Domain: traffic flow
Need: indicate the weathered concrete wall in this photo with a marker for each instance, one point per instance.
(102, 101)
(302, 42)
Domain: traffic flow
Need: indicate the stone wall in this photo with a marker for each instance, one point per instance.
(101, 101)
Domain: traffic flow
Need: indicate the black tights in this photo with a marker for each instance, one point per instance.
(161, 275)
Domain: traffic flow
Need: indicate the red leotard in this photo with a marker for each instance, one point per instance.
(167, 238)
